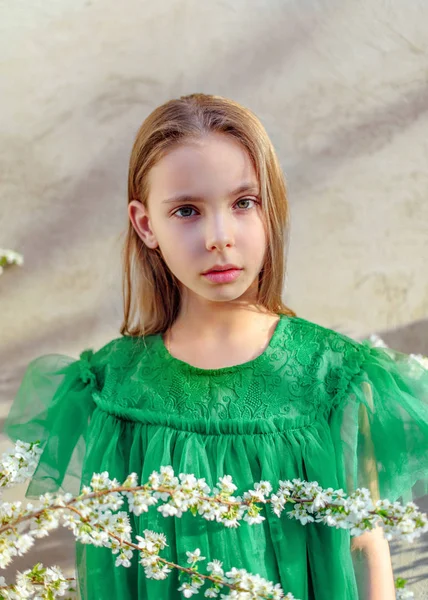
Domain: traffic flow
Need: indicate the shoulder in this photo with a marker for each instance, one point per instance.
(115, 358)
(328, 338)
(121, 352)
(340, 355)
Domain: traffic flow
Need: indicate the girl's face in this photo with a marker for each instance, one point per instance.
(216, 223)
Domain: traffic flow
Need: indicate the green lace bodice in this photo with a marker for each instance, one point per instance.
(298, 376)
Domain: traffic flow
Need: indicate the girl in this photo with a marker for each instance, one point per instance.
(214, 375)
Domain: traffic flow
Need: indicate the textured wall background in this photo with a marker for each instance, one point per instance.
(341, 87)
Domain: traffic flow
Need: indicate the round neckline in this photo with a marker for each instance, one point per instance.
(173, 360)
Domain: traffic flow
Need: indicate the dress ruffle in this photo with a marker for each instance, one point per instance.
(379, 425)
(53, 405)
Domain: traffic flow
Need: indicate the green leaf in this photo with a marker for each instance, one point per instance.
(400, 583)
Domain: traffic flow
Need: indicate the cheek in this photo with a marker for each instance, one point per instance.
(254, 237)
(178, 252)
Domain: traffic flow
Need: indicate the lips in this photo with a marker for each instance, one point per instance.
(225, 276)
(220, 268)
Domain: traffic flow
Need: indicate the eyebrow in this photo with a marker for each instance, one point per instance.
(244, 187)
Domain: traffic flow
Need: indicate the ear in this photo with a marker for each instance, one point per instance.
(140, 220)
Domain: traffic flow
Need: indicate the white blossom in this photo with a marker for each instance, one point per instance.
(98, 521)
(194, 556)
(188, 589)
(227, 485)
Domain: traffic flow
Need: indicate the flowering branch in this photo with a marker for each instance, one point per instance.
(92, 522)
(9, 257)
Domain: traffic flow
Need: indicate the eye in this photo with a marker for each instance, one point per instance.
(182, 208)
(175, 213)
(247, 200)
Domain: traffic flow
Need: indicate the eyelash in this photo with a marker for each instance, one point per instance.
(174, 214)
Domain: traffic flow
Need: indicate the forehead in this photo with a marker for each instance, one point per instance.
(214, 164)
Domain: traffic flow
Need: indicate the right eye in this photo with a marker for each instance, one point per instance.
(183, 208)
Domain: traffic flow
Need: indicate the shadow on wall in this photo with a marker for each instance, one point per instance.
(411, 338)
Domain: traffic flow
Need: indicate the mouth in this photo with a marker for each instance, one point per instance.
(223, 276)
(222, 268)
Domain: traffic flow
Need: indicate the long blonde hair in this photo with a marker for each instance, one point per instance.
(151, 296)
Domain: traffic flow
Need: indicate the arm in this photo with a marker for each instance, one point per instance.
(372, 562)
(370, 550)
(379, 427)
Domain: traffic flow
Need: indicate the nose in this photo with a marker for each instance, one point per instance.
(219, 232)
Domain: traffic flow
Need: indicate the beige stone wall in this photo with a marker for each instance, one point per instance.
(341, 87)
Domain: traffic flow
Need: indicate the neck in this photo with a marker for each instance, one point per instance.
(221, 326)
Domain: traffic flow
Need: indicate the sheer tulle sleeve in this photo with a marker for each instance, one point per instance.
(379, 425)
(53, 405)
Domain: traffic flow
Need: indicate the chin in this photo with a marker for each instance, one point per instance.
(227, 293)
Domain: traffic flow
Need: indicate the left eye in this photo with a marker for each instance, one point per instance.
(246, 200)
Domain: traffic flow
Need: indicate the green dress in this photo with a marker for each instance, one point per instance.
(315, 405)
